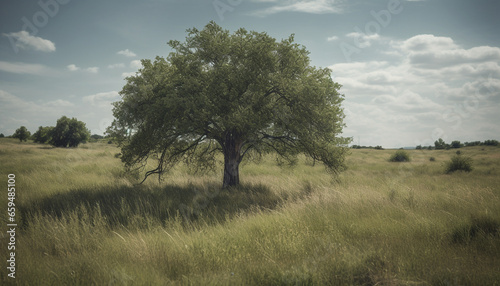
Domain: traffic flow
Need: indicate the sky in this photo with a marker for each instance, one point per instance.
(411, 71)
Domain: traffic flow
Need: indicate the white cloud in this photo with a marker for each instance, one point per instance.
(332, 38)
(127, 53)
(72, 67)
(24, 68)
(363, 40)
(24, 40)
(426, 42)
(92, 70)
(127, 74)
(116, 66)
(429, 51)
(304, 6)
(136, 64)
(59, 103)
(429, 83)
(103, 99)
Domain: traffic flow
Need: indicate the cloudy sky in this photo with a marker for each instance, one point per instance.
(412, 71)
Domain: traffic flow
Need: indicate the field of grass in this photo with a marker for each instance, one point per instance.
(83, 221)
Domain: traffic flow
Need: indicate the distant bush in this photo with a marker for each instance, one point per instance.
(432, 159)
(440, 144)
(400, 156)
(483, 225)
(22, 134)
(459, 163)
(456, 144)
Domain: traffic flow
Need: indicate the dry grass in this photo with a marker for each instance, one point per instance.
(379, 223)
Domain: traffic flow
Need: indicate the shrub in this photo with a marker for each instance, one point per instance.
(482, 225)
(456, 144)
(440, 144)
(459, 163)
(432, 159)
(400, 156)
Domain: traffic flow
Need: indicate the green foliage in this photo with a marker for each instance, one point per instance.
(1, 135)
(432, 159)
(378, 147)
(69, 133)
(22, 134)
(440, 144)
(42, 135)
(491, 143)
(232, 94)
(400, 156)
(459, 163)
(456, 144)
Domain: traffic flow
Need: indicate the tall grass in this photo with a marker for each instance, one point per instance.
(379, 223)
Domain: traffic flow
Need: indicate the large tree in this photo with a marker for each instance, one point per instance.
(232, 94)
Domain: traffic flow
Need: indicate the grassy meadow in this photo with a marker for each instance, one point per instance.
(83, 221)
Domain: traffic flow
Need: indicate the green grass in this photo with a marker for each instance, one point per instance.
(83, 221)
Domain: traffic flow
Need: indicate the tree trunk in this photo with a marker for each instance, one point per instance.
(232, 159)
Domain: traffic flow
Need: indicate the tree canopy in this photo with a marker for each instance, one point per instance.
(68, 133)
(22, 134)
(42, 135)
(232, 94)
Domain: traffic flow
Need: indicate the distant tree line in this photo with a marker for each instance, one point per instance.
(441, 144)
(67, 133)
(367, 147)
